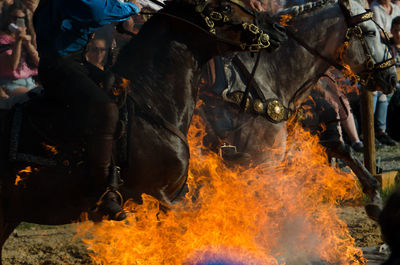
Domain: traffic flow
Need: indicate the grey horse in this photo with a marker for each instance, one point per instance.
(283, 80)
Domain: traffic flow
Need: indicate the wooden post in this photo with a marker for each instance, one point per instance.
(368, 130)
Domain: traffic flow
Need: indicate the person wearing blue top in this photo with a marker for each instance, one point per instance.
(63, 28)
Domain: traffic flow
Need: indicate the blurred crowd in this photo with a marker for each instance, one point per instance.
(18, 54)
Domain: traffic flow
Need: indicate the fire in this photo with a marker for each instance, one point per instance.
(52, 149)
(123, 85)
(277, 213)
(22, 175)
(285, 19)
(347, 72)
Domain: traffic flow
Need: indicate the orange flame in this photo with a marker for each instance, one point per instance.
(273, 214)
(51, 149)
(347, 72)
(22, 175)
(122, 85)
(285, 19)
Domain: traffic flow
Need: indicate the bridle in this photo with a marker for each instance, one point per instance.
(273, 108)
(353, 29)
(259, 39)
(256, 38)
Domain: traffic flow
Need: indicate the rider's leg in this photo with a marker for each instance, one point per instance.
(104, 117)
(67, 80)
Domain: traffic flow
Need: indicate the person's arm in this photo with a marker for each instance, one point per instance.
(15, 56)
(3, 94)
(32, 52)
(105, 11)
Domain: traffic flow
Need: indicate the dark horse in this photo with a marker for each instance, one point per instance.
(164, 65)
(283, 79)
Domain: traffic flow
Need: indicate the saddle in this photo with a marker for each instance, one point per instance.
(43, 132)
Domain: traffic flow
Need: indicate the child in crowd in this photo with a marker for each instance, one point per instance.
(18, 56)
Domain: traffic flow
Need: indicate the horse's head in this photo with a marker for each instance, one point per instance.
(368, 52)
(234, 23)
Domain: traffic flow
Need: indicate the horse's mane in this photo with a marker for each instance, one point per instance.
(299, 10)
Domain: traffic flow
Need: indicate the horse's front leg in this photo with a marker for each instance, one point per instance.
(369, 183)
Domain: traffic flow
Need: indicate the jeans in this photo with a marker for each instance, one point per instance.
(380, 110)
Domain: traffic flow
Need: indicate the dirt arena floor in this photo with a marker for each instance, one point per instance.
(55, 245)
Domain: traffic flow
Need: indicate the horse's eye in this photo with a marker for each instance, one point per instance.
(227, 9)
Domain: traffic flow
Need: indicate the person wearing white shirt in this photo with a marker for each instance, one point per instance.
(384, 12)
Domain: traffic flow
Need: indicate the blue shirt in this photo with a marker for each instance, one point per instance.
(64, 26)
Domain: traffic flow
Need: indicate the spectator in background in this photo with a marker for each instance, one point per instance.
(332, 108)
(4, 5)
(31, 5)
(18, 58)
(393, 126)
(384, 12)
(96, 52)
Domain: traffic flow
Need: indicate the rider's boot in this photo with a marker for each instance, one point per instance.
(100, 145)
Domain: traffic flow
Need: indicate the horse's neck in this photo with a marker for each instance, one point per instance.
(324, 31)
(164, 68)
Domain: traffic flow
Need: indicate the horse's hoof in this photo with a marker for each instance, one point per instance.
(373, 211)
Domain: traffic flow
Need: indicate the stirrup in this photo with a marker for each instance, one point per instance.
(111, 207)
(230, 154)
(108, 190)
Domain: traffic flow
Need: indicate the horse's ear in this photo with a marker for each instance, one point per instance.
(345, 3)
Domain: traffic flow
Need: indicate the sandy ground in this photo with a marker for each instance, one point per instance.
(32, 244)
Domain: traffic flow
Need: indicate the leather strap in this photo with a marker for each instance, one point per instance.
(254, 85)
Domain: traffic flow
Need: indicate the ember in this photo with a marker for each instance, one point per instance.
(271, 214)
(52, 149)
(22, 175)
